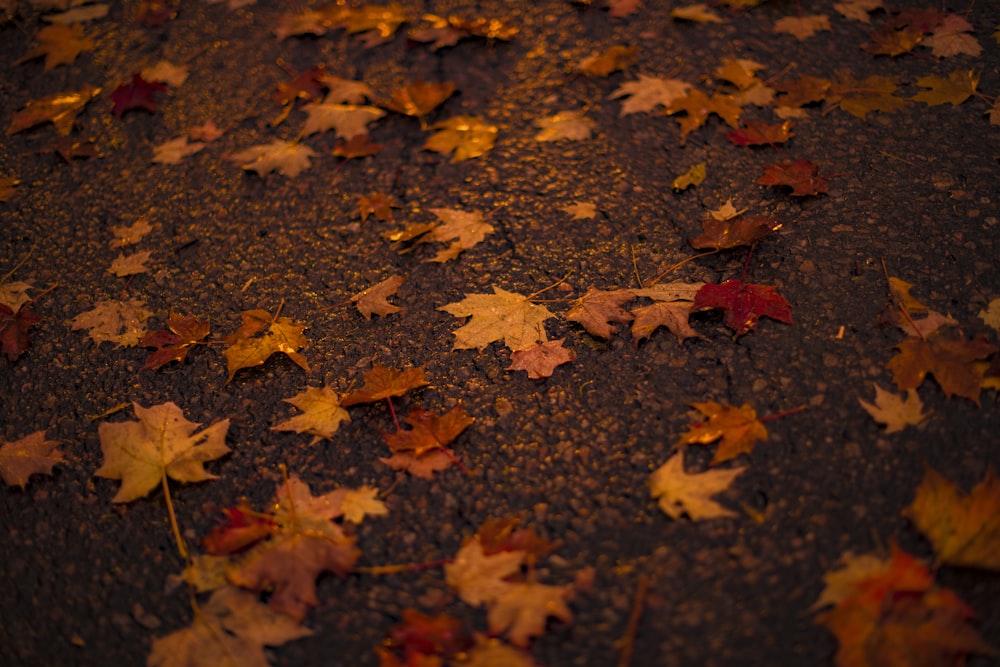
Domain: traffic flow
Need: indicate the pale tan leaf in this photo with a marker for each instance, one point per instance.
(893, 411)
(322, 414)
(568, 125)
(130, 265)
(679, 492)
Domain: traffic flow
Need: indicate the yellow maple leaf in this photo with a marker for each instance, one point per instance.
(463, 136)
(680, 493)
(803, 27)
(119, 322)
(322, 414)
(959, 86)
(503, 316)
(262, 335)
(162, 444)
(964, 528)
(894, 412)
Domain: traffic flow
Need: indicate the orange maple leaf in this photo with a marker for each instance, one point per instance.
(964, 528)
(541, 359)
(723, 234)
(260, 336)
(599, 310)
(430, 431)
(738, 428)
(950, 359)
(382, 382)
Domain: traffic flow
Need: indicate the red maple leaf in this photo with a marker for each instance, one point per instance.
(757, 133)
(243, 527)
(136, 95)
(175, 343)
(743, 303)
(802, 176)
(14, 330)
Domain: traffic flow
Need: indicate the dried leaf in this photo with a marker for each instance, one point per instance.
(568, 125)
(382, 382)
(175, 150)
(348, 120)
(541, 359)
(743, 303)
(958, 87)
(14, 325)
(139, 94)
(260, 336)
(31, 455)
(804, 26)
(693, 176)
(503, 316)
(321, 415)
(892, 411)
(128, 234)
(130, 265)
(755, 133)
(737, 429)
(599, 310)
(419, 98)
(581, 210)
(720, 234)
(614, 58)
(429, 431)
(59, 44)
(60, 109)
(670, 314)
(288, 158)
(174, 343)
(802, 176)
(522, 610)
(118, 322)
(464, 229)
(697, 13)
(464, 136)
(680, 493)
(373, 299)
(648, 92)
(951, 360)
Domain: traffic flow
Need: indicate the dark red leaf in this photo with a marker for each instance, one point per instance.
(743, 303)
(802, 176)
(14, 330)
(136, 95)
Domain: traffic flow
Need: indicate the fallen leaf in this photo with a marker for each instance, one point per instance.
(429, 431)
(755, 133)
(207, 131)
(373, 300)
(952, 38)
(288, 158)
(678, 492)
(991, 314)
(143, 454)
(464, 137)
(321, 416)
(541, 359)
(743, 303)
(14, 325)
(419, 98)
(859, 98)
(359, 503)
(480, 578)
(231, 629)
(565, 125)
(737, 429)
(697, 13)
(721, 234)
(804, 26)
(648, 92)
(130, 265)
(670, 314)
(78, 14)
(521, 610)
(14, 294)
(963, 528)
(60, 109)
(802, 176)
(611, 60)
(503, 316)
(357, 147)
(697, 107)
(139, 94)
(693, 176)
(175, 150)
(166, 72)
(379, 204)
(891, 41)
(129, 234)
(382, 382)
(581, 210)
(959, 86)
(59, 44)
(260, 336)
(599, 310)
(118, 322)
(174, 342)
(464, 229)
(423, 466)
(8, 187)
(623, 8)
(491, 652)
(951, 360)
(31, 455)
(858, 9)
(892, 411)
(348, 120)
(242, 528)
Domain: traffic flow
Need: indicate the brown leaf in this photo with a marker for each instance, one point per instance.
(321, 414)
(737, 429)
(430, 431)
(670, 314)
(60, 109)
(174, 343)
(31, 455)
(464, 137)
(260, 336)
(951, 360)
(59, 44)
(598, 311)
(419, 98)
(541, 359)
(679, 492)
(382, 382)
(730, 233)
(894, 412)
(611, 60)
(119, 322)
(373, 299)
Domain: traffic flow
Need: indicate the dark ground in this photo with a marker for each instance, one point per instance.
(84, 581)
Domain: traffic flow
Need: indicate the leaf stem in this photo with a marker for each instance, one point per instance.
(392, 411)
(181, 547)
(664, 273)
(402, 567)
(784, 413)
(627, 642)
(546, 289)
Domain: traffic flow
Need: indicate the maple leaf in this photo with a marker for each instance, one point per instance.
(379, 204)
(568, 125)
(14, 294)
(491, 652)
(31, 455)
(310, 21)
(359, 503)
(166, 72)
(130, 265)
(14, 325)
(891, 612)
(463, 136)
(139, 94)
(382, 382)
(480, 578)
(670, 314)
(425, 635)
(891, 41)
(278, 334)
(802, 176)
(522, 610)
(306, 544)
(739, 430)
(743, 303)
(373, 299)
(680, 493)
(614, 58)
(128, 234)
(989, 315)
(175, 150)
(697, 13)
(59, 44)
(174, 342)
(623, 8)
(755, 133)
(243, 527)
(952, 38)
(903, 307)
(894, 412)
(306, 86)
(230, 630)
(162, 444)
(349, 120)
(60, 109)
(693, 176)
(951, 360)
(322, 414)
(377, 22)
(857, 9)
(803, 27)
(419, 98)
(503, 316)
(430, 431)
(803, 90)
(423, 466)
(447, 31)
(599, 310)
(958, 87)
(463, 229)
(697, 106)
(289, 158)
(207, 131)
(858, 98)
(581, 210)
(720, 234)
(541, 359)
(357, 147)
(118, 322)
(648, 92)
(964, 528)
